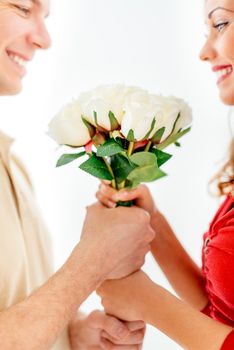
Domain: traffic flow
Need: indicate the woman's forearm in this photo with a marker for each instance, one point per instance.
(181, 322)
(36, 322)
(181, 271)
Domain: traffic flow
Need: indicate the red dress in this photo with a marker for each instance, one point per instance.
(218, 268)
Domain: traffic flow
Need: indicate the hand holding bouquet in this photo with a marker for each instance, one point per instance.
(123, 132)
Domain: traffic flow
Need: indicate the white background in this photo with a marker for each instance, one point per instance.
(149, 43)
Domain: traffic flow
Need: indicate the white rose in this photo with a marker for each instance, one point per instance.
(67, 127)
(185, 118)
(166, 112)
(139, 114)
(102, 100)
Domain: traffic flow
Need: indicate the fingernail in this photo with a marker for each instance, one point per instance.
(111, 204)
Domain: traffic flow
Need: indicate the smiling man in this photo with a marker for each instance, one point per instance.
(22, 32)
(37, 311)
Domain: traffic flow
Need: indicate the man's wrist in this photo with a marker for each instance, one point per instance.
(88, 263)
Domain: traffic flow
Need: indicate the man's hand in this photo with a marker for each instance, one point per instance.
(116, 239)
(99, 331)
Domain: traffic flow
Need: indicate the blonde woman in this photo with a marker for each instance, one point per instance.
(203, 317)
(37, 311)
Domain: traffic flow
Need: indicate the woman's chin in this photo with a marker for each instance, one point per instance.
(11, 90)
(227, 98)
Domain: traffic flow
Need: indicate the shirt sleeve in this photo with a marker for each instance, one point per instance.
(228, 342)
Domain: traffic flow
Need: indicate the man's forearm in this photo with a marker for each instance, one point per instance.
(36, 322)
(181, 271)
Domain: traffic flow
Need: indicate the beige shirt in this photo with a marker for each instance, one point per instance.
(25, 247)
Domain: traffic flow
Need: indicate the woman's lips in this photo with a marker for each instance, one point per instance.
(223, 72)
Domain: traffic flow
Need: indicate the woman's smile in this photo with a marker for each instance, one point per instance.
(223, 72)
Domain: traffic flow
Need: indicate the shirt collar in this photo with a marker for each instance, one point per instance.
(5, 142)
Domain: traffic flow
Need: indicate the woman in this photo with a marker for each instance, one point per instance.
(204, 317)
(45, 318)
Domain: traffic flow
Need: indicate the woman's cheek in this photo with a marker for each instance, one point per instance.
(227, 47)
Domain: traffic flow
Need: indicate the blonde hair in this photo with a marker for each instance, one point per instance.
(224, 179)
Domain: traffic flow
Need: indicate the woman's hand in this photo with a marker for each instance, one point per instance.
(127, 298)
(141, 195)
(100, 331)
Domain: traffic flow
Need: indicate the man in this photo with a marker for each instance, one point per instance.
(38, 311)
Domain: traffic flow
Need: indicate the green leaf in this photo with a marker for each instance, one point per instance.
(96, 167)
(172, 139)
(99, 139)
(158, 135)
(147, 170)
(130, 185)
(116, 134)
(151, 129)
(162, 157)
(68, 158)
(113, 121)
(109, 148)
(89, 126)
(95, 117)
(177, 144)
(130, 136)
(121, 167)
(178, 117)
(98, 127)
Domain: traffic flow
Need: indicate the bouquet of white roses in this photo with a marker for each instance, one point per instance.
(123, 131)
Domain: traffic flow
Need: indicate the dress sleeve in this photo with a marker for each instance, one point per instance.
(206, 310)
(228, 342)
(220, 266)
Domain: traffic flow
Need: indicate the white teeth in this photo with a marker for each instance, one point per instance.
(223, 72)
(19, 60)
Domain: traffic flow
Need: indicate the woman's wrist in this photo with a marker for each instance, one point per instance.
(144, 304)
(156, 216)
(158, 224)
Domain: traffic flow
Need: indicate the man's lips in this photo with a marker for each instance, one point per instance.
(24, 57)
(18, 61)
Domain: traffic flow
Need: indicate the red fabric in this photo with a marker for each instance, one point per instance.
(229, 342)
(218, 268)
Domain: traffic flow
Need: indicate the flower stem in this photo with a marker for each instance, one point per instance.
(111, 172)
(121, 185)
(130, 148)
(147, 148)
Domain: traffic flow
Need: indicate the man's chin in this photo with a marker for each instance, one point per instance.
(10, 90)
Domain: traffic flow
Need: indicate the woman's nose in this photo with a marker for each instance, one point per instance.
(208, 52)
